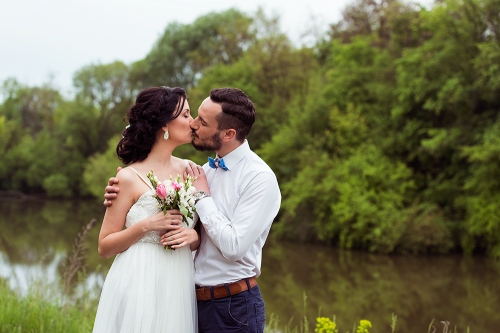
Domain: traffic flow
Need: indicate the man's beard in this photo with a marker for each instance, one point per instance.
(213, 144)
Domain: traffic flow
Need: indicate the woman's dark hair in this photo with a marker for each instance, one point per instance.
(238, 111)
(153, 109)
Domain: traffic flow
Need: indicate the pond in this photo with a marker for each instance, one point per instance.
(37, 236)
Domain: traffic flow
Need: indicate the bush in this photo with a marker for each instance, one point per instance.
(56, 185)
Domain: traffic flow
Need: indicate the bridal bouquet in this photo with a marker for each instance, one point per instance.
(175, 194)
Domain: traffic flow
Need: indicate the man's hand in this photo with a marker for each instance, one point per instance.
(197, 172)
(178, 238)
(111, 190)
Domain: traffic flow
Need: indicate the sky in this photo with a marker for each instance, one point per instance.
(49, 40)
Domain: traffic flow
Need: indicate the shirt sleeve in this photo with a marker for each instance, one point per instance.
(256, 209)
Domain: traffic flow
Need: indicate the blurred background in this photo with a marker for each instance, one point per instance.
(379, 118)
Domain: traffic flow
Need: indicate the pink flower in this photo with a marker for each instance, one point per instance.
(161, 191)
(176, 186)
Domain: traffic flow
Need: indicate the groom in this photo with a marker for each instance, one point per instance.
(237, 201)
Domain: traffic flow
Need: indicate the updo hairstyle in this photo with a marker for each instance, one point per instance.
(154, 108)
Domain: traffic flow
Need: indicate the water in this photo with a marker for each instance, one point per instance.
(36, 236)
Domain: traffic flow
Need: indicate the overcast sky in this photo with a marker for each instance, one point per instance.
(40, 39)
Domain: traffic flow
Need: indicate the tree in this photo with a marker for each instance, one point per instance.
(31, 107)
(183, 52)
(104, 93)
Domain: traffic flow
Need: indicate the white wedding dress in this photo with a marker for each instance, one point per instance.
(148, 289)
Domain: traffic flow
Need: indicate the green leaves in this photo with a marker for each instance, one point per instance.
(99, 168)
(383, 134)
(357, 202)
(184, 52)
(104, 93)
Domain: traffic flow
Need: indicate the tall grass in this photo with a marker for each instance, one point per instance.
(329, 325)
(36, 313)
(39, 312)
(75, 262)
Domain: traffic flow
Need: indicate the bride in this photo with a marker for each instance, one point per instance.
(149, 288)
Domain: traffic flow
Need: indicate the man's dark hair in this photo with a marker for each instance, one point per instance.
(238, 111)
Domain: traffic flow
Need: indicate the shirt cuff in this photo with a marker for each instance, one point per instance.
(211, 219)
(205, 207)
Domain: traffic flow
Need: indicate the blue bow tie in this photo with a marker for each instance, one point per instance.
(215, 163)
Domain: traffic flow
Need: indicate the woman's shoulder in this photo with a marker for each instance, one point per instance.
(129, 180)
(127, 176)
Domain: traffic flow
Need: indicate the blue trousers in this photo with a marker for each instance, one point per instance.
(244, 312)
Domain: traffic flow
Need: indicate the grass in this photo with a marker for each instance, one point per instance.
(38, 312)
(328, 325)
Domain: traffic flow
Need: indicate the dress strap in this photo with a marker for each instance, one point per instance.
(143, 179)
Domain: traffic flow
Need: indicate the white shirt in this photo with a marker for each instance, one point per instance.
(236, 218)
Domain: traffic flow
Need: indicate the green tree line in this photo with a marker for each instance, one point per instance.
(384, 132)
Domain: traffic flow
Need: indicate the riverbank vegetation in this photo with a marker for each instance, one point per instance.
(384, 132)
(68, 303)
(35, 312)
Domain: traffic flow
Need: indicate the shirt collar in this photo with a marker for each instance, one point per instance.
(231, 159)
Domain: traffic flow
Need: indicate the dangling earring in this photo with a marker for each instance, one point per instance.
(165, 136)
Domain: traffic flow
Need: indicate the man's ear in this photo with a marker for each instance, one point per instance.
(229, 134)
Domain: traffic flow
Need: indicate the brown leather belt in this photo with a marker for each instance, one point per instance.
(225, 290)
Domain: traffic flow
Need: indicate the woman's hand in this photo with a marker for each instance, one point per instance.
(181, 237)
(171, 220)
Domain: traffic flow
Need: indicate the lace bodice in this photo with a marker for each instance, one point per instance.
(143, 208)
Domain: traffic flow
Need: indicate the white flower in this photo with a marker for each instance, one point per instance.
(184, 202)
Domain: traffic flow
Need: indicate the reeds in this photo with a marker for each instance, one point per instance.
(36, 313)
(75, 261)
(329, 325)
(446, 326)
(39, 311)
